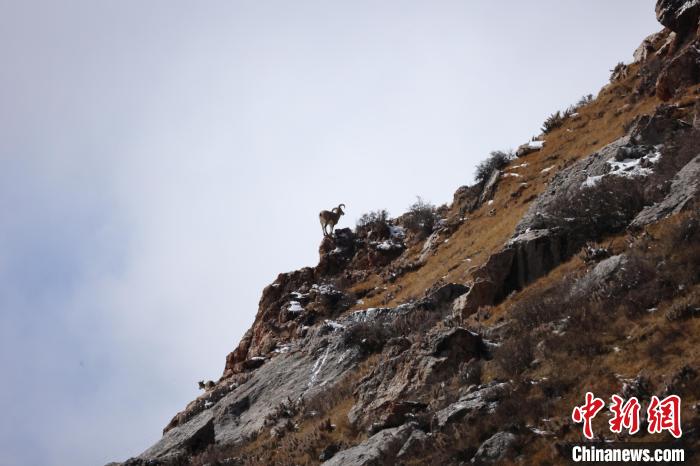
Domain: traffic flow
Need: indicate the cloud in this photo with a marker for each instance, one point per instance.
(160, 163)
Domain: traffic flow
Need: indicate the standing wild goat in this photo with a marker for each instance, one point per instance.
(330, 217)
(208, 385)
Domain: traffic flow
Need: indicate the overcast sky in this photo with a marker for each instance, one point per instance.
(162, 161)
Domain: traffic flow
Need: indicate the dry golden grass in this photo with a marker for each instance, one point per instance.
(598, 124)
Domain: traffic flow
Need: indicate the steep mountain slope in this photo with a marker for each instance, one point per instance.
(573, 268)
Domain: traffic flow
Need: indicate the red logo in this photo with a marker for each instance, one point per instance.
(624, 415)
(665, 415)
(662, 415)
(587, 412)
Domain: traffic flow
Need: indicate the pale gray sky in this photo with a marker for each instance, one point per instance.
(162, 161)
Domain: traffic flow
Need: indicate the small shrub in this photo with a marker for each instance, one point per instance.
(370, 219)
(374, 224)
(599, 210)
(421, 217)
(496, 160)
(554, 121)
(585, 100)
(515, 354)
(591, 253)
(618, 71)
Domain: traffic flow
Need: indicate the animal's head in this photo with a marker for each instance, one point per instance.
(340, 209)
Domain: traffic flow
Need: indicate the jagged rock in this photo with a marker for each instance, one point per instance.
(235, 358)
(378, 450)
(253, 363)
(481, 293)
(681, 72)
(242, 411)
(329, 452)
(684, 188)
(455, 344)
(603, 272)
(444, 295)
(680, 16)
(646, 48)
(398, 413)
(528, 148)
(417, 442)
(483, 399)
(496, 448)
(191, 437)
(467, 198)
(336, 252)
(429, 246)
(489, 187)
(535, 253)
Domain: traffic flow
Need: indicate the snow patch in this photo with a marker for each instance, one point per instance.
(294, 306)
(318, 365)
(545, 170)
(334, 325)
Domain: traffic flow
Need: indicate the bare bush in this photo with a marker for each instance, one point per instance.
(599, 210)
(495, 161)
(421, 217)
(515, 355)
(553, 121)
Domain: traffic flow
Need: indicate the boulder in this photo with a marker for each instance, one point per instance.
(329, 452)
(191, 437)
(489, 187)
(680, 16)
(442, 296)
(467, 198)
(482, 293)
(398, 413)
(597, 277)
(456, 344)
(378, 450)
(335, 253)
(681, 72)
(684, 188)
(483, 400)
(496, 448)
(417, 443)
(529, 148)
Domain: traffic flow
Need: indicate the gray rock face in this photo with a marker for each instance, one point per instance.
(603, 272)
(498, 447)
(680, 16)
(490, 186)
(378, 450)
(417, 442)
(481, 293)
(684, 188)
(191, 437)
(289, 377)
(456, 343)
(681, 72)
(482, 400)
(567, 183)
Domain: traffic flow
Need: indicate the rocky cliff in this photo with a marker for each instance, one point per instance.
(470, 332)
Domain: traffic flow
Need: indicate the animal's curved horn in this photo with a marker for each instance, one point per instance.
(341, 206)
